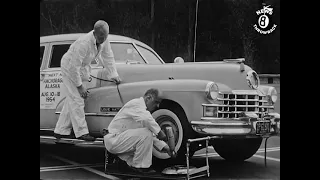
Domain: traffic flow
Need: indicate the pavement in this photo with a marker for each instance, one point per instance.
(70, 162)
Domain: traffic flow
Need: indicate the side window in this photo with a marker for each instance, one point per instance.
(149, 55)
(126, 52)
(57, 52)
(41, 54)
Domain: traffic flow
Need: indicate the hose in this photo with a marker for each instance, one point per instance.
(113, 82)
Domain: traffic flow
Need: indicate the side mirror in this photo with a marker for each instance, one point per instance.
(178, 60)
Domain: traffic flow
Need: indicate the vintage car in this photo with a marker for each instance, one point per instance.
(220, 99)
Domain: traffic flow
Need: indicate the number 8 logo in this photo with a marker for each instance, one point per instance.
(263, 21)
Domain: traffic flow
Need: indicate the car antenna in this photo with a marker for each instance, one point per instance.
(195, 33)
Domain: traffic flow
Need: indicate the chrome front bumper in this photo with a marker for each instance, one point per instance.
(245, 125)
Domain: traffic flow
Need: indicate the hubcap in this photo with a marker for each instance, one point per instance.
(165, 121)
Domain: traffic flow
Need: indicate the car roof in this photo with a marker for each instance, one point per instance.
(75, 36)
(111, 38)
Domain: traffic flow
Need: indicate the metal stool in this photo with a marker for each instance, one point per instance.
(109, 158)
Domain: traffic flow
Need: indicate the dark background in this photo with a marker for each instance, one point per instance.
(224, 27)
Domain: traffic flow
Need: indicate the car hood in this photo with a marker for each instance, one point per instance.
(220, 72)
(228, 74)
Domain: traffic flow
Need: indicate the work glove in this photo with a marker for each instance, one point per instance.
(171, 153)
(162, 136)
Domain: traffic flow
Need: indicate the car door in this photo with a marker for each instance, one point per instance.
(51, 84)
(52, 92)
(44, 47)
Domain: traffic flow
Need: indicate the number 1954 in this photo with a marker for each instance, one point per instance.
(50, 99)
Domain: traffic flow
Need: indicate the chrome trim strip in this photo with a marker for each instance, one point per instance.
(48, 137)
(101, 114)
(52, 69)
(51, 137)
(209, 123)
(236, 60)
(78, 142)
(240, 92)
(221, 131)
(47, 129)
(222, 118)
(234, 112)
(272, 107)
(223, 105)
(59, 68)
(97, 114)
(221, 99)
(217, 119)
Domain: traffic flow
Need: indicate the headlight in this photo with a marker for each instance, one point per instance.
(273, 95)
(253, 79)
(212, 91)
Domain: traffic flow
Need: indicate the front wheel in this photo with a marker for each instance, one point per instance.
(237, 149)
(181, 130)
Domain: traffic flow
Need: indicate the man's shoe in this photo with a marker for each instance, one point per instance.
(120, 163)
(87, 137)
(143, 170)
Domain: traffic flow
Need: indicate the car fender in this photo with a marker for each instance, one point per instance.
(96, 96)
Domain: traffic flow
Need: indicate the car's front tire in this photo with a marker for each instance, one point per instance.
(182, 132)
(237, 149)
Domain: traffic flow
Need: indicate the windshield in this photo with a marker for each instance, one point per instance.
(149, 55)
(125, 53)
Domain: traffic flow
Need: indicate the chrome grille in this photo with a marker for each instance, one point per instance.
(234, 104)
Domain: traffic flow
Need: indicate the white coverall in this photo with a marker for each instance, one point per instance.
(75, 68)
(132, 134)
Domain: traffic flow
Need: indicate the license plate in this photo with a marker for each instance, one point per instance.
(263, 127)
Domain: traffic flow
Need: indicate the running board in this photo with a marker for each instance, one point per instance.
(77, 142)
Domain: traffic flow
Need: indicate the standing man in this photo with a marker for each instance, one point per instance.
(133, 132)
(75, 68)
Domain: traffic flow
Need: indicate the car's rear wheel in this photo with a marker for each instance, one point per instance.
(237, 149)
(182, 132)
